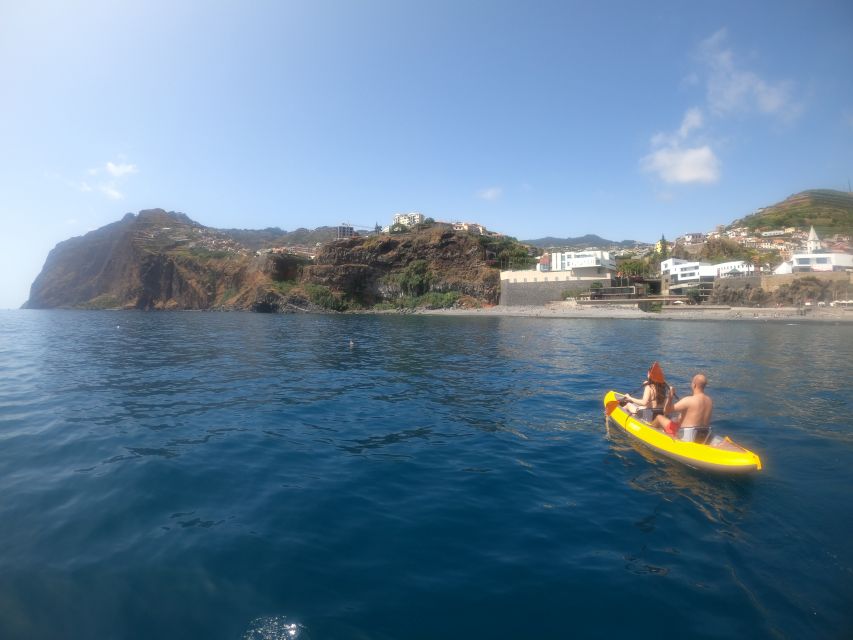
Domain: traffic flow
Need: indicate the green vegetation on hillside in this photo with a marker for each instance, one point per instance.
(323, 297)
(415, 279)
(717, 250)
(104, 301)
(506, 252)
(205, 254)
(275, 237)
(828, 211)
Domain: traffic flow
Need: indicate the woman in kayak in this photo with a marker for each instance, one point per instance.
(654, 392)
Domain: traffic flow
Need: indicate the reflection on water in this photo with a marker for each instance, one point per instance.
(276, 628)
(719, 498)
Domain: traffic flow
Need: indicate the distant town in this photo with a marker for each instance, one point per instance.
(670, 270)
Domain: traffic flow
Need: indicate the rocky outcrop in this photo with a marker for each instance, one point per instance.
(373, 269)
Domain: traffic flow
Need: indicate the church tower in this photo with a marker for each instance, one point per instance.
(813, 243)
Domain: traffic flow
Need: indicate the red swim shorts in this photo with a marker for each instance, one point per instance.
(672, 428)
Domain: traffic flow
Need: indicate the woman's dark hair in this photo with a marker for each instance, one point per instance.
(660, 392)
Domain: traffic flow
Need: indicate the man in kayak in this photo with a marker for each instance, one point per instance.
(695, 409)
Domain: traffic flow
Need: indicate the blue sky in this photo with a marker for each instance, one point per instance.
(625, 119)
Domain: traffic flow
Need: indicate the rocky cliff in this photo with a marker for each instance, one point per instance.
(385, 268)
(164, 260)
(153, 260)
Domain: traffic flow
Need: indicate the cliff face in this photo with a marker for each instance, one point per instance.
(155, 260)
(160, 260)
(376, 268)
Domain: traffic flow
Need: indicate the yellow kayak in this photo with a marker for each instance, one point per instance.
(720, 454)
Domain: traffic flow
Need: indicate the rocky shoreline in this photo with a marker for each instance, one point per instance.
(630, 312)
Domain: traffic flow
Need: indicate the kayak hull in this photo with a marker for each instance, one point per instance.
(725, 456)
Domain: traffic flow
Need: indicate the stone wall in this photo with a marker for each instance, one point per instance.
(535, 288)
(736, 284)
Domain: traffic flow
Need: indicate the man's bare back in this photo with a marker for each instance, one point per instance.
(695, 410)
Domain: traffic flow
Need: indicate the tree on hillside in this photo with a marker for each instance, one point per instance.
(507, 251)
(415, 279)
(660, 254)
(694, 295)
(633, 267)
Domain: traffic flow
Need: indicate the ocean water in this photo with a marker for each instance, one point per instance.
(203, 475)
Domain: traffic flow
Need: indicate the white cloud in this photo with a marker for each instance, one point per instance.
(490, 193)
(117, 172)
(733, 89)
(693, 119)
(675, 160)
(110, 191)
(684, 166)
(121, 169)
(685, 156)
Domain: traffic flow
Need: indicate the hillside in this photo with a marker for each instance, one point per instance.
(164, 260)
(829, 211)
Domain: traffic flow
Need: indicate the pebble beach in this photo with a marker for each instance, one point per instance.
(573, 310)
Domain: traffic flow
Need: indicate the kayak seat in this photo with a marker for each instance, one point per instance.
(698, 435)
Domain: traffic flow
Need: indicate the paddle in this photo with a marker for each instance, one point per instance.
(610, 407)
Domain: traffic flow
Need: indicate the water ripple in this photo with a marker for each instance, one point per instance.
(187, 474)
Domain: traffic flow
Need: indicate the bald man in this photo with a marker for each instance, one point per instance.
(695, 410)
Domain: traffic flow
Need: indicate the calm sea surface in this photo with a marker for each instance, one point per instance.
(202, 475)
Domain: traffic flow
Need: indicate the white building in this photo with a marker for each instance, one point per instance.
(596, 264)
(732, 269)
(693, 238)
(805, 262)
(405, 219)
(815, 259)
(679, 275)
(408, 219)
(470, 227)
